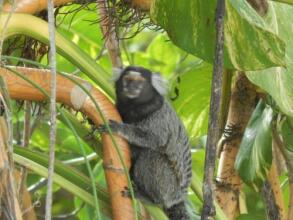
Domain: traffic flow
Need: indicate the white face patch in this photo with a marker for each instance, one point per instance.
(116, 73)
(133, 73)
(160, 84)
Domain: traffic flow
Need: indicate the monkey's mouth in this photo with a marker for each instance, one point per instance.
(131, 94)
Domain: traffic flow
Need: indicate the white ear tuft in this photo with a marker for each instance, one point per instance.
(160, 84)
(116, 73)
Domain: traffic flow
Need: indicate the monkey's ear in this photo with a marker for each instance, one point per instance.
(116, 73)
(160, 84)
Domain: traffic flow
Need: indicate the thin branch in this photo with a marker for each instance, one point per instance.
(109, 31)
(272, 194)
(52, 60)
(275, 207)
(26, 137)
(10, 208)
(279, 143)
(271, 208)
(214, 116)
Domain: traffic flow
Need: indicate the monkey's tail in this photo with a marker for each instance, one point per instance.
(177, 212)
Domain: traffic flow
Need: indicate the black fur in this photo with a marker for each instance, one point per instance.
(177, 212)
(134, 110)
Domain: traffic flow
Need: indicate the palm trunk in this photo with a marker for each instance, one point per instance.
(31, 7)
(241, 106)
(70, 94)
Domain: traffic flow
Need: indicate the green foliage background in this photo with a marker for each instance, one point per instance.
(183, 55)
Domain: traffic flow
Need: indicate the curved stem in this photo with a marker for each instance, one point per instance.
(69, 94)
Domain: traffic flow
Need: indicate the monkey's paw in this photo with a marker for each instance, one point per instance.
(113, 125)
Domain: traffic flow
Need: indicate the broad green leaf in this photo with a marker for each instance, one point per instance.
(38, 29)
(66, 171)
(191, 26)
(79, 28)
(285, 1)
(193, 102)
(66, 177)
(65, 141)
(82, 131)
(163, 55)
(198, 158)
(255, 154)
(250, 217)
(76, 26)
(285, 129)
(156, 213)
(278, 81)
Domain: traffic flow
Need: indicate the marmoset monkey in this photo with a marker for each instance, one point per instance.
(161, 158)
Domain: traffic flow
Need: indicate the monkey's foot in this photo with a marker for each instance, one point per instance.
(230, 132)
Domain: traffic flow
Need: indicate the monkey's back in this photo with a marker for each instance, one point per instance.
(164, 172)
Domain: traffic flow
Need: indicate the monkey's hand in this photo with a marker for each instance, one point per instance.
(126, 192)
(113, 125)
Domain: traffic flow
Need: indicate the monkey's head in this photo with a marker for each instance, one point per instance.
(138, 84)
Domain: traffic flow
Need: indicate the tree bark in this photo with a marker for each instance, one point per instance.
(10, 208)
(31, 7)
(108, 26)
(143, 5)
(27, 207)
(241, 106)
(272, 193)
(214, 125)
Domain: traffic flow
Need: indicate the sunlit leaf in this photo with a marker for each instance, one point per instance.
(286, 131)
(66, 177)
(193, 102)
(65, 141)
(191, 26)
(74, 26)
(250, 217)
(163, 55)
(278, 82)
